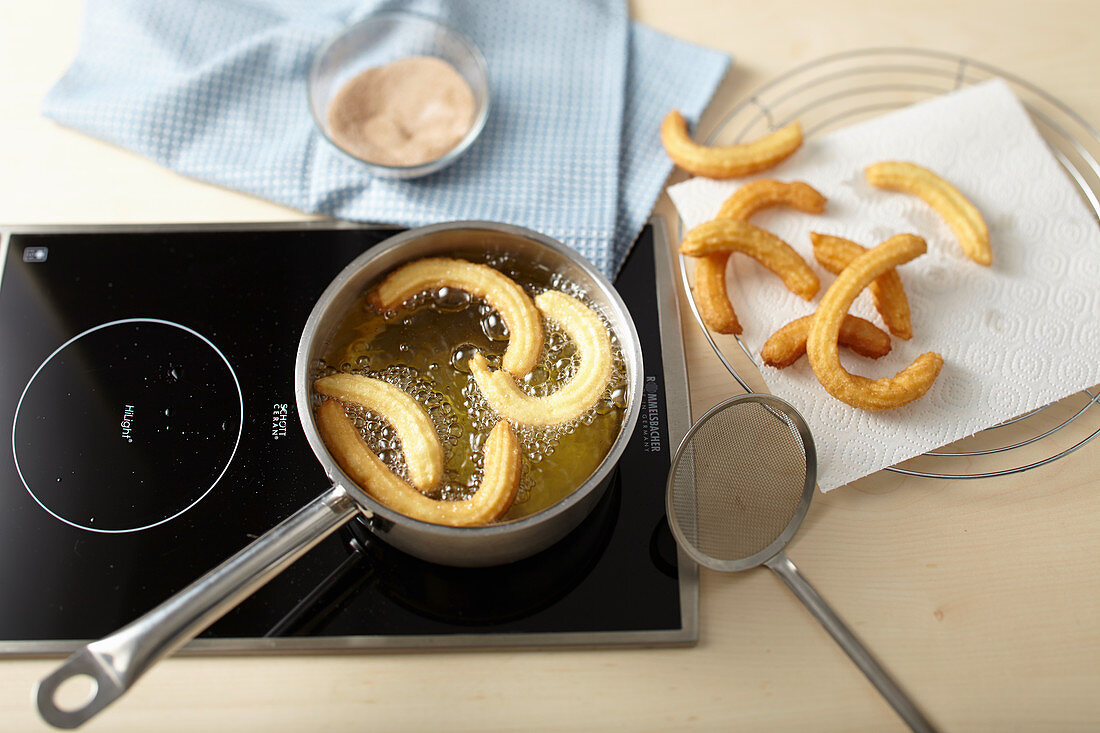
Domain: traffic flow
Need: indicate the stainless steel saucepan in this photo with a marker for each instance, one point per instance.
(115, 662)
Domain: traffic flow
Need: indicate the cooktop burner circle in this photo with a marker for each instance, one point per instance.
(127, 425)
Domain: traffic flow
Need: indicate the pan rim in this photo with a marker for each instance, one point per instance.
(629, 342)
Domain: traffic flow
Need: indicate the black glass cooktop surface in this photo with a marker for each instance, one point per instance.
(146, 383)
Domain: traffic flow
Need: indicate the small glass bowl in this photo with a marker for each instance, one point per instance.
(382, 38)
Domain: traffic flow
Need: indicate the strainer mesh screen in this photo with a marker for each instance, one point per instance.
(738, 481)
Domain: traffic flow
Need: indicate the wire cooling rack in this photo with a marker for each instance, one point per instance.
(846, 88)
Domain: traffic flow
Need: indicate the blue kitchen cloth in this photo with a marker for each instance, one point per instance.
(216, 90)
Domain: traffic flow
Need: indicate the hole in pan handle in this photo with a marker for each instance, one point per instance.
(117, 661)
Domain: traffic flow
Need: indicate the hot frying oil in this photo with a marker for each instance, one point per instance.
(424, 348)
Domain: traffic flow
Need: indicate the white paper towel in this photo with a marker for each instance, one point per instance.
(1014, 337)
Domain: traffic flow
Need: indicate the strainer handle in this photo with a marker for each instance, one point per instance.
(786, 570)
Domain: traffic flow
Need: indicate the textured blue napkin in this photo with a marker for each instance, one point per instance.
(216, 90)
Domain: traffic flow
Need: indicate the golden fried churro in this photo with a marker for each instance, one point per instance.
(731, 235)
(415, 430)
(712, 298)
(589, 334)
(709, 276)
(821, 344)
(767, 192)
(482, 281)
(834, 254)
(727, 161)
(961, 215)
(788, 344)
(492, 499)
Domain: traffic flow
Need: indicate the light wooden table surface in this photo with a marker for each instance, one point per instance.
(982, 597)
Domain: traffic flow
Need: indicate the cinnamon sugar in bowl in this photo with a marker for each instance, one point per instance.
(403, 94)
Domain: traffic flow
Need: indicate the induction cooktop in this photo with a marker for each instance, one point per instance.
(146, 383)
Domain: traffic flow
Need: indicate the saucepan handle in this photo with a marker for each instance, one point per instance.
(117, 661)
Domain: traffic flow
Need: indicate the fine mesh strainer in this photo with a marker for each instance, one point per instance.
(739, 486)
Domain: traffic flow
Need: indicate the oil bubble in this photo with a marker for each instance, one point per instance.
(450, 300)
(460, 357)
(536, 376)
(494, 327)
(555, 340)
